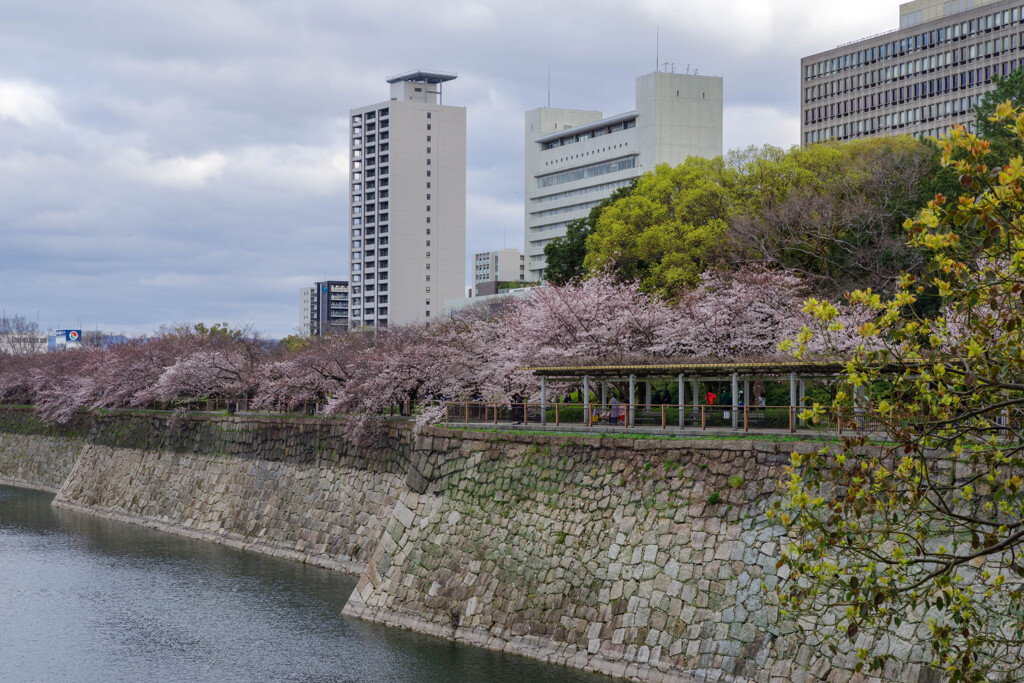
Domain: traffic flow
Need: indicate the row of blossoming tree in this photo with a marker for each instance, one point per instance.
(478, 353)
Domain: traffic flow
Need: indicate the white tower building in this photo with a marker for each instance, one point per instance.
(407, 192)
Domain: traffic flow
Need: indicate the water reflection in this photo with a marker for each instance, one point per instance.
(85, 599)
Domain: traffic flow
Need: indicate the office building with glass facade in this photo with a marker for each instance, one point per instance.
(919, 79)
(576, 158)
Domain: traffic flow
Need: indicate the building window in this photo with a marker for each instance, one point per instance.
(428, 115)
(428, 150)
(428, 126)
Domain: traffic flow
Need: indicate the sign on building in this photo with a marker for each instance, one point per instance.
(68, 339)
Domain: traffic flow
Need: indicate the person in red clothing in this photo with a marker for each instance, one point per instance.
(712, 396)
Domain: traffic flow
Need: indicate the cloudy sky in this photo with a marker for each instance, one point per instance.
(185, 161)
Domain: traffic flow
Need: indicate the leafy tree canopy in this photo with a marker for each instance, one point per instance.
(667, 230)
(930, 529)
(831, 212)
(1003, 140)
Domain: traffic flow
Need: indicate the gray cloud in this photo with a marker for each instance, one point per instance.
(169, 162)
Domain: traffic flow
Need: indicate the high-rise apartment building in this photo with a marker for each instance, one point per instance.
(504, 265)
(919, 79)
(324, 308)
(407, 192)
(576, 158)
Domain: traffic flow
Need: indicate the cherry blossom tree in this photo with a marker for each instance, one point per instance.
(478, 354)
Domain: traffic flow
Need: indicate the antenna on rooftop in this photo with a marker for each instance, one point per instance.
(657, 46)
(549, 86)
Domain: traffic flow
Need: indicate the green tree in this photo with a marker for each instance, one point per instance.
(564, 256)
(668, 229)
(931, 528)
(834, 212)
(294, 343)
(1004, 142)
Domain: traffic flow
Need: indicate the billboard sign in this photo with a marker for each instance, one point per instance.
(68, 339)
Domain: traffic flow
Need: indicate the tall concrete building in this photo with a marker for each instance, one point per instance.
(324, 308)
(576, 158)
(407, 192)
(919, 79)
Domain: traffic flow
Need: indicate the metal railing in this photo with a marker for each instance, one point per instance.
(661, 416)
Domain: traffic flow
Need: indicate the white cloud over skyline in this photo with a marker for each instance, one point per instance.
(173, 162)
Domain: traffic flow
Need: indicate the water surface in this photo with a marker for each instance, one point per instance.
(87, 599)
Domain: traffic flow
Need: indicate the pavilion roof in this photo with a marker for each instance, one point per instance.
(695, 370)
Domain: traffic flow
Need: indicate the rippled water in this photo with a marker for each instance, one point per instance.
(85, 599)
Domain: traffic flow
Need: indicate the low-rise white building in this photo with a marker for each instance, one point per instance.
(23, 343)
(504, 265)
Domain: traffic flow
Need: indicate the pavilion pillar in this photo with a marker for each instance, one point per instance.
(543, 400)
(792, 397)
(682, 399)
(632, 398)
(604, 394)
(735, 400)
(647, 400)
(746, 393)
(803, 393)
(586, 400)
(858, 406)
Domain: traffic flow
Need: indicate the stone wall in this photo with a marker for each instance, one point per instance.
(646, 559)
(286, 487)
(35, 454)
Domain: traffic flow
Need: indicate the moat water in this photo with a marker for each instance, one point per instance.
(85, 599)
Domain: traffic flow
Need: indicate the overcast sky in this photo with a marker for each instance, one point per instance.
(185, 161)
